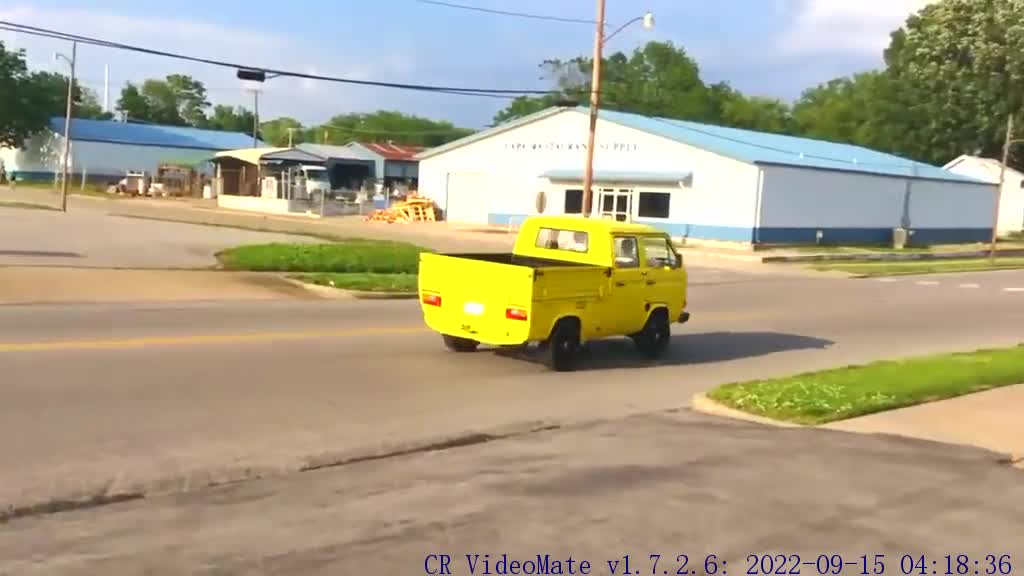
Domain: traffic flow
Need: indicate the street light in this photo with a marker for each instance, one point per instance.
(67, 124)
(255, 76)
(595, 95)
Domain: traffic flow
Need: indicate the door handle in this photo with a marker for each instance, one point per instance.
(620, 284)
(651, 282)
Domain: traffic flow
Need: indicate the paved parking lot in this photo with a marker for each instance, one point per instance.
(95, 239)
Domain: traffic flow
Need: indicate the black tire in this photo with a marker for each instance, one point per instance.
(457, 344)
(563, 346)
(654, 338)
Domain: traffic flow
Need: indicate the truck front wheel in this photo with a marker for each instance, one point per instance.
(563, 346)
(456, 344)
(653, 339)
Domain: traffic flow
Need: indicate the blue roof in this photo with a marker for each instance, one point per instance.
(153, 135)
(767, 148)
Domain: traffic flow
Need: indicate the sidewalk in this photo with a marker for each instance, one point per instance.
(991, 420)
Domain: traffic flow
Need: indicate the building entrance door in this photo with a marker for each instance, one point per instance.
(616, 204)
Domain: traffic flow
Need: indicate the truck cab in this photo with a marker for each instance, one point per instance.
(567, 281)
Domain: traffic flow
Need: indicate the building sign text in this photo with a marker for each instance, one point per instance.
(568, 146)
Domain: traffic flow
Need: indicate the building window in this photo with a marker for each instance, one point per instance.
(573, 202)
(570, 240)
(654, 204)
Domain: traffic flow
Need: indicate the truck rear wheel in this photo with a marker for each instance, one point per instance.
(653, 339)
(457, 344)
(563, 346)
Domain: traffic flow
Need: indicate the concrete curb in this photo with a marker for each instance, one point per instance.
(889, 257)
(341, 293)
(323, 291)
(701, 403)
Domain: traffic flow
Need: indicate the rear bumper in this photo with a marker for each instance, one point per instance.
(684, 317)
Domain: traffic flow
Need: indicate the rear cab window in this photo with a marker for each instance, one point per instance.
(627, 254)
(568, 240)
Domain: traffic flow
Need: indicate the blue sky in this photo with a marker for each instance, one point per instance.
(766, 47)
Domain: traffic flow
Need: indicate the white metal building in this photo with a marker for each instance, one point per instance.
(701, 181)
(1011, 203)
(107, 149)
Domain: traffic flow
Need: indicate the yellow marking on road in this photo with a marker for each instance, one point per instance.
(148, 341)
(702, 322)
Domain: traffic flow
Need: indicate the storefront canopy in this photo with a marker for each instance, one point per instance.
(620, 176)
(270, 155)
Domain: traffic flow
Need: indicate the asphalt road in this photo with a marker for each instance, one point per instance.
(670, 485)
(106, 400)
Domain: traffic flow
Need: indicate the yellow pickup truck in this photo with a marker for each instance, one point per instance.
(568, 280)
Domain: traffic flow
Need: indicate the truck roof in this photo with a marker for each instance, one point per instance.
(596, 225)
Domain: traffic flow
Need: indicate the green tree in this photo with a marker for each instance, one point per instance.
(177, 100)
(385, 125)
(53, 93)
(276, 131)
(23, 105)
(237, 119)
(730, 107)
(958, 66)
(658, 79)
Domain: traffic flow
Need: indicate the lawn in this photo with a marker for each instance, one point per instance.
(921, 266)
(820, 397)
(391, 283)
(344, 257)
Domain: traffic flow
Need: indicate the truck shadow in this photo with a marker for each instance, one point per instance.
(686, 349)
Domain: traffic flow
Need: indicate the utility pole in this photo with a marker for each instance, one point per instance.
(595, 103)
(67, 131)
(255, 117)
(106, 88)
(291, 131)
(1002, 181)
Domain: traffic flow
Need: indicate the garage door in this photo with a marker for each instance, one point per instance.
(468, 197)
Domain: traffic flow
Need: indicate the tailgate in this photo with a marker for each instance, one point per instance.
(485, 301)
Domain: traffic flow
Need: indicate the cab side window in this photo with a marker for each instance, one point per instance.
(627, 254)
(658, 253)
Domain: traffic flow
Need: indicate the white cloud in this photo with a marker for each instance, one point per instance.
(307, 100)
(856, 27)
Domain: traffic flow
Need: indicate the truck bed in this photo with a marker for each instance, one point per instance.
(509, 258)
(477, 290)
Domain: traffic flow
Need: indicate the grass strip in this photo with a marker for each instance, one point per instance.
(347, 256)
(391, 283)
(827, 396)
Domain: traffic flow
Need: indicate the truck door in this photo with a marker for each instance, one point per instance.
(662, 278)
(623, 310)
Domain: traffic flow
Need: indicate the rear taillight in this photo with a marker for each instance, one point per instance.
(515, 314)
(432, 299)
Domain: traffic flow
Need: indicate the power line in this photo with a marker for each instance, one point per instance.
(507, 13)
(55, 34)
(335, 127)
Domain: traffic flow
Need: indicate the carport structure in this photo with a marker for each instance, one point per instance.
(241, 172)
